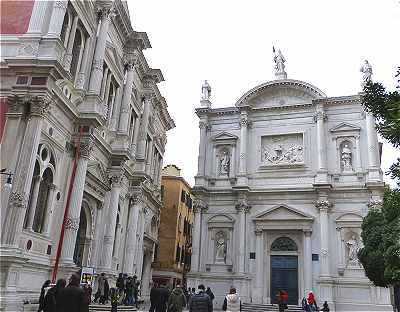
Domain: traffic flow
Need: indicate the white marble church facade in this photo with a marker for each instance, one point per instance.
(284, 179)
(77, 79)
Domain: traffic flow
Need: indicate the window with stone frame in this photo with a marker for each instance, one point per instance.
(283, 244)
(66, 28)
(42, 192)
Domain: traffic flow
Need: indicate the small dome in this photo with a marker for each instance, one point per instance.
(282, 92)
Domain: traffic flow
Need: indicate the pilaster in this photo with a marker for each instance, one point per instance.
(322, 172)
(244, 123)
(198, 207)
(242, 208)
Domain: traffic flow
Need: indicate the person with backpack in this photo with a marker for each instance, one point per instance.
(312, 303)
(200, 302)
(43, 290)
(50, 300)
(72, 298)
(210, 294)
(177, 299)
(232, 301)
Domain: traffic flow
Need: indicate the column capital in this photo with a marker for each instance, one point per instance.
(72, 224)
(204, 125)
(199, 205)
(86, 147)
(244, 121)
(17, 199)
(320, 115)
(258, 232)
(116, 179)
(323, 204)
(307, 232)
(136, 196)
(106, 12)
(15, 105)
(62, 5)
(39, 106)
(374, 203)
(243, 206)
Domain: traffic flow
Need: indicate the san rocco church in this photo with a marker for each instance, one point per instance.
(284, 179)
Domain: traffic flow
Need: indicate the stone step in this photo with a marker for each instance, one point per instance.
(107, 307)
(255, 307)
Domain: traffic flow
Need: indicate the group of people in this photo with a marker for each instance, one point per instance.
(62, 297)
(126, 291)
(162, 300)
(309, 304)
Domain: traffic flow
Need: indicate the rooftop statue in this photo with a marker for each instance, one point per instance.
(279, 60)
(366, 69)
(205, 91)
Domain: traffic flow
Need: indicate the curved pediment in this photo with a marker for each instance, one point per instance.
(350, 217)
(280, 93)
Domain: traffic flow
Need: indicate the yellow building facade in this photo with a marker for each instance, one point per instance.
(172, 259)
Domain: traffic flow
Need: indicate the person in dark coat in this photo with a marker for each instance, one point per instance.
(210, 294)
(177, 299)
(43, 290)
(121, 286)
(51, 296)
(153, 297)
(102, 289)
(162, 295)
(72, 298)
(200, 302)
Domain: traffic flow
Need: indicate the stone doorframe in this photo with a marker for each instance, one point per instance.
(270, 224)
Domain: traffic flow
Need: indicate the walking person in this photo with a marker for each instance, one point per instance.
(162, 296)
(282, 300)
(210, 294)
(177, 299)
(153, 297)
(232, 301)
(312, 303)
(200, 302)
(121, 286)
(115, 299)
(72, 298)
(102, 289)
(129, 299)
(43, 291)
(50, 299)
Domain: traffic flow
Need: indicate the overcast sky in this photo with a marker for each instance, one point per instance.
(229, 43)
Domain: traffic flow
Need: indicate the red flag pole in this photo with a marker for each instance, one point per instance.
(71, 184)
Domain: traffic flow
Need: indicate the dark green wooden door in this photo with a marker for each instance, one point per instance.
(284, 276)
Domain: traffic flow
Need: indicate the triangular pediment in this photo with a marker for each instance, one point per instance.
(223, 136)
(345, 127)
(282, 212)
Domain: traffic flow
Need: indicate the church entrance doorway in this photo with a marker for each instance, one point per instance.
(284, 270)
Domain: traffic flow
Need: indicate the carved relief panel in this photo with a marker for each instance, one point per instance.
(282, 149)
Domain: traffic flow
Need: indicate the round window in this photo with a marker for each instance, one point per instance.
(29, 244)
(58, 196)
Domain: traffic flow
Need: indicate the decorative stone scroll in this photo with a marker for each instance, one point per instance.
(243, 206)
(72, 224)
(323, 204)
(199, 205)
(286, 149)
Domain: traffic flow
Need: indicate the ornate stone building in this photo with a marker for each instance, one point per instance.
(85, 128)
(175, 231)
(284, 179)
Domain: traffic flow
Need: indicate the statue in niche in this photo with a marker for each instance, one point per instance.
(346, 158)
(353, 248)
(220, 248)
(205, 91)
(366, 69)
(224, 163)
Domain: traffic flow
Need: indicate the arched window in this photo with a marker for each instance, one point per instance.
(110, 100)
(77, 51)
(153, 226)
(117, 227)
(66, 27)
(42, 191)
(283, 244)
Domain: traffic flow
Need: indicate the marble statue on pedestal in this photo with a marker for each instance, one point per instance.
(280, 60)
(206, 91)
(366, 69)
(346, 158)
(353, 248)
(220, 248)
(224, 163)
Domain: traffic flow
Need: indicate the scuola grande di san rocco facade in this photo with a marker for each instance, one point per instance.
(74, 77)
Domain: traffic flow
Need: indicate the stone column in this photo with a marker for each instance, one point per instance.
(81, 79)
(135, 136)
(116, 180)
(244, 124)
(68, 54)
(34, 198)
(198, 206)
(323, 205)
(104, 83)
(203, 125)
(131, 240)
(37, 18)
(259, 276)
(49, 207)
(150, 157)
(126, 99)
(341, 262)
(308, 274)
(319, 118)
(146, 274)
(232, 167)
(74, 213)
(99, 226)
(373, 149)
(243, 208)
(117, 240)
(98, 59)
(358, 154)
(16, 207)
(140, 153)
(57, 18)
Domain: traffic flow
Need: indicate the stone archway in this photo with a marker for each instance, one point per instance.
(83, 237)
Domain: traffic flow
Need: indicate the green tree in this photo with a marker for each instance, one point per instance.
(380, 255)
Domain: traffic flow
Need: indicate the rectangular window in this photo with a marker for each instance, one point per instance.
(183, 196)
(178, 254)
